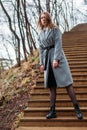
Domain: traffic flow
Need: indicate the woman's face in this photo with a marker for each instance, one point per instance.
(44, 20)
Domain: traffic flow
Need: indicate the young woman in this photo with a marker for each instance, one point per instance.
(54, 63)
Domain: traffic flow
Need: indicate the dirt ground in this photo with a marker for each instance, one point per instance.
(10, 110)
(16, 84)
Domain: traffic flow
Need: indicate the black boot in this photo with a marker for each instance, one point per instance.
(77, 111)
(52, 113)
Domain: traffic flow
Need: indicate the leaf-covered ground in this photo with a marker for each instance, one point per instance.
(16, 85)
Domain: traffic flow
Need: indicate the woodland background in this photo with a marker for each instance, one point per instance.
(18, 25)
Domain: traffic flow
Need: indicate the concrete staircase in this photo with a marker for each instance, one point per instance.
(75, 48)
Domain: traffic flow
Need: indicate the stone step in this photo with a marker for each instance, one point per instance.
(61, 111)
(51, 128)
(59, 121)
(59, 102)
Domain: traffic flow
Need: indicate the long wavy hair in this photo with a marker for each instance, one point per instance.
(50, 24)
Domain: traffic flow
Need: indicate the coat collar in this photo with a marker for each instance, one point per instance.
(46, 32)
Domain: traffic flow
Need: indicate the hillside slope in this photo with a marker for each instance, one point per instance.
(16, 85)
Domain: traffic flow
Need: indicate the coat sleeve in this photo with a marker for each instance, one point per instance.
(58, 44)
(40, 52)
(41, 55)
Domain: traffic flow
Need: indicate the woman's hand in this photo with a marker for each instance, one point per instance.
(42, 68)
(55, 63)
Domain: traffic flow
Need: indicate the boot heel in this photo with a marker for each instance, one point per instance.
(51, 114)
(78, 111)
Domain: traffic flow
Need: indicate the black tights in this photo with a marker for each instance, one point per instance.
(52, 96)
(70, 91)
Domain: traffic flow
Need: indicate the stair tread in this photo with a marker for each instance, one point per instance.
(75, 56)
(44, 100)
(79, 86)
(65, 92)
(54, 119)
(52, 128)
(75, 33)
(40, 80)
(47, 108)
(74, 70)
(74, 74)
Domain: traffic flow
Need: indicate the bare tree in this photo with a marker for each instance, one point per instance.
(28, 31)
(23, 18)
(13, 31)
(48, 5)
(21, 28)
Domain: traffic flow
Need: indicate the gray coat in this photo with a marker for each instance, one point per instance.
(62, 73)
